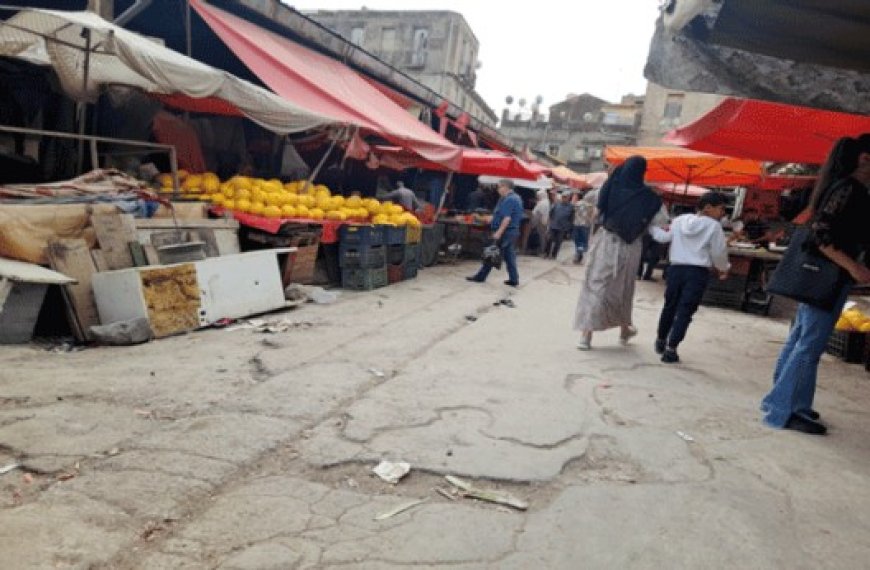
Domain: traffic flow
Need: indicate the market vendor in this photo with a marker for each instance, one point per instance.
(751, 228)
(405, 197)
(478, 200)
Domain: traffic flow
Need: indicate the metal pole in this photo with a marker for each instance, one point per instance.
(444, 195)
(316, 170)
(95, 157)
(187, 28)
(83, 107)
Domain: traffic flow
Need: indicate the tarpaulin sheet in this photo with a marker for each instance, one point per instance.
(683, 166)
(474, 161)
(25, 229)
(766, 131)
(324, 85)
(116, 56)
(329, 228)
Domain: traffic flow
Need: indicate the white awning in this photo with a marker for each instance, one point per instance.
(80, 45)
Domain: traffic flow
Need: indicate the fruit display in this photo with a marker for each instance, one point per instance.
(276, 199)
(853, 320)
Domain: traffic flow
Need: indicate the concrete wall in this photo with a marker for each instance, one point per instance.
(654, 124)
(445, 61)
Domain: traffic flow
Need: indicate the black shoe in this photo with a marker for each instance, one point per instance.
(811, 414)
(659, 346)
(510, 283)
(474, 279)
(798, 422)
(670, 356)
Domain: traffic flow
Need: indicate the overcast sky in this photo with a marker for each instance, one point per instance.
(544, 47)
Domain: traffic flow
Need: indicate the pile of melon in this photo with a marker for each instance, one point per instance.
(276, 199)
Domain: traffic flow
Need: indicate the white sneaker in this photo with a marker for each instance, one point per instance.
(584, 344)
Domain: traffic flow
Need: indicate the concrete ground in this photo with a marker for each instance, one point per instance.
(243, 450)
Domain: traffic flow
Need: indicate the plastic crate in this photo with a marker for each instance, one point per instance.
(371, 257)
(361, 236)
(395, 273)
(847, 346)
(364, 279)
(433, 237)
(395, 254)
(303, 263)
(413, 234)
(394, 235)
(412, 254)
(410, 271)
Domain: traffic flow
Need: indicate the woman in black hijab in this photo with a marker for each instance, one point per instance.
(629, 209)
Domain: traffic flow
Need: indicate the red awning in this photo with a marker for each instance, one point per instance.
(768, 131)
(474, 161)
(682, 166)
(323, 85)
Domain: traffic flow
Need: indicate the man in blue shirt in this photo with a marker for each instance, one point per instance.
(506, 220)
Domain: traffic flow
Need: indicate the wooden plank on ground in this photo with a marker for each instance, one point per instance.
(72, 257)
(138, 252)
(151, 254)
(114, 233)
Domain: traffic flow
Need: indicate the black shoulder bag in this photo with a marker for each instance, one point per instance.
(807, 275)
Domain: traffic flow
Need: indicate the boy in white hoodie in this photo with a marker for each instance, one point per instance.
(697, 245)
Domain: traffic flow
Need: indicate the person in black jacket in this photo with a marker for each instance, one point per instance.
(839, 231)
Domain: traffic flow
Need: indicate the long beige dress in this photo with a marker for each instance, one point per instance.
(607, 295)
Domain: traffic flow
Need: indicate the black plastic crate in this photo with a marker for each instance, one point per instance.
(433, 237)
(395, 254)
(848, 346)
(370, 257)
(394, 235)
(364, 279)
(361, 236)
(412, 254)
(411, 271)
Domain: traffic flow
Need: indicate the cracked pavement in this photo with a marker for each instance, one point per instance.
(242, 450)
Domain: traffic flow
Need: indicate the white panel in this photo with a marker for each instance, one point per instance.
(236, 286)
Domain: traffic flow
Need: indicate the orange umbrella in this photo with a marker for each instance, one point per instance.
(683, 166)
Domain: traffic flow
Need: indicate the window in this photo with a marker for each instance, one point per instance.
(388, 40)
(553, 149)
(580, 154)
(421, 44)
(611, 118)
(674, 106)
(358, 36)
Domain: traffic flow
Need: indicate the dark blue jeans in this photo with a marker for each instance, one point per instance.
(794, 380)
(581, 239)
(686, 285)
(509, 254)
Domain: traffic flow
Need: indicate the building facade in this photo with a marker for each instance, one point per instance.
(577, 129)
(437, 48)
(667, 109)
